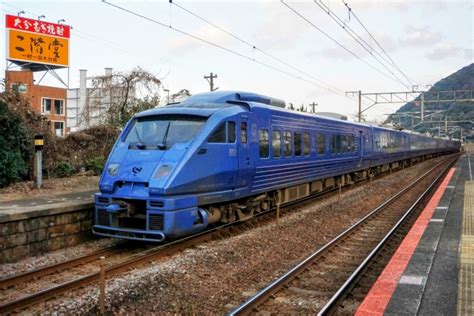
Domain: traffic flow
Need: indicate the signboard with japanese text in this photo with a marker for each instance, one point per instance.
(37, 42)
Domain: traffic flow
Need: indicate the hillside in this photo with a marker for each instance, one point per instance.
(462, 79)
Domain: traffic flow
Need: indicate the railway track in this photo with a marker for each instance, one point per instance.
(323, 279)
(135, 260)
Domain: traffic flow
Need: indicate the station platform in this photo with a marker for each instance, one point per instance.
(33, 226)
(432, 271)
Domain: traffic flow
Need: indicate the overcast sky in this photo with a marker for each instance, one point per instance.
(428, 40)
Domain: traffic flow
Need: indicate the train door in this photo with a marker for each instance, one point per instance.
(361, 148)
(244, 152)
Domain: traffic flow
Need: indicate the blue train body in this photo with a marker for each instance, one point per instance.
(222, 156)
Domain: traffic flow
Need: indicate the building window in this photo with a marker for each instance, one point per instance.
(297, 144)
(231, 132)
(46, 106)
(59, 107)
(307, 144)
(59, 128)
(243, 132)
(263, 144)
(276, 144)
(321, 147)
(218, 136)
(19, 87)
(287, 143)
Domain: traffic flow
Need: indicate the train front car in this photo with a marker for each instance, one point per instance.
(166, 162)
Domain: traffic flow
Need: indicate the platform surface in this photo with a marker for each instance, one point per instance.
(45, 205)
(431, 272)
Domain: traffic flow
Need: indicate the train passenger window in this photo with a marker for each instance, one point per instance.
(333, 144)
(321, 146)
(287, 143)
(338, 144)
(218, 136)
(231, 132)
(276, 144)
(297, 140)
(344, 144)
(353, 144)
(243, 132)
(307, 144)
(263, 144)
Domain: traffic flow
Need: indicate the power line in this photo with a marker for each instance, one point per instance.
(376, 42)
(253, 46)
(358, 39)
(217, 45)
(337, 42)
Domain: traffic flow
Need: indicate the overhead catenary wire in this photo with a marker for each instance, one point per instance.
(377, 42)
(236, 53)
(363, 43)
(253, 46)
(337, 42)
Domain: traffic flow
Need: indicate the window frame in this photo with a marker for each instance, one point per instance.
(224, 123)
(264, 130)
(287, 142)
(318, 144)
(297, 135)
(241, 135)
(280, 154)
(306, 144)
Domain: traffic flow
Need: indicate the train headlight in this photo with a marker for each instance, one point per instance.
(163, 171)
(113, 169)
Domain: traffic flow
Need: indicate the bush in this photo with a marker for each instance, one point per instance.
(96, 165)
(15, 147)
(63, 169)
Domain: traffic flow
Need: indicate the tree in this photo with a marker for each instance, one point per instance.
(15, 147)
(114, 99)
(180, 95)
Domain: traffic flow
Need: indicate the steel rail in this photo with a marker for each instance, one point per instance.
(275, 286)
(354, 277)
(140, 258)
(55, 267)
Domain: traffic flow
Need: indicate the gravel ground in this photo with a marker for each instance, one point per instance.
(215, 277)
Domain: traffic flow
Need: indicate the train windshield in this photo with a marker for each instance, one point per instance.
(163, 131)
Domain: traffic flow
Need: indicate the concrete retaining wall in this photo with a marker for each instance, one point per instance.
(34, 232)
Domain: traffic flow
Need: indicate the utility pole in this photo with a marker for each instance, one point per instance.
(359, 114)
(313, 106)
(210, 79)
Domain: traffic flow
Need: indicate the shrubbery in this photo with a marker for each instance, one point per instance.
(15, 147)
(96, 165)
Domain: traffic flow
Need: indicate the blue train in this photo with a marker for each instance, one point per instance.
(223, 156)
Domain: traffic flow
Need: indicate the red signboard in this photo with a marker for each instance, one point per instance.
(36, 26)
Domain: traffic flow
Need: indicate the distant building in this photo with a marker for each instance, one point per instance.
(46, 100)
(88, 105)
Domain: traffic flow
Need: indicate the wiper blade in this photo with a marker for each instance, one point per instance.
(139, 144)
(162, 144)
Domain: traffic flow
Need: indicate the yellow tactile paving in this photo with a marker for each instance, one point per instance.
(466, 271)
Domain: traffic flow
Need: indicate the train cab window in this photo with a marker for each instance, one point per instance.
(287, 143)
(218, 136)
(231, 132)
(276, 144)
(263, 144)
(243, 132)
(297, 140)
(321, 146)
(307, 144)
